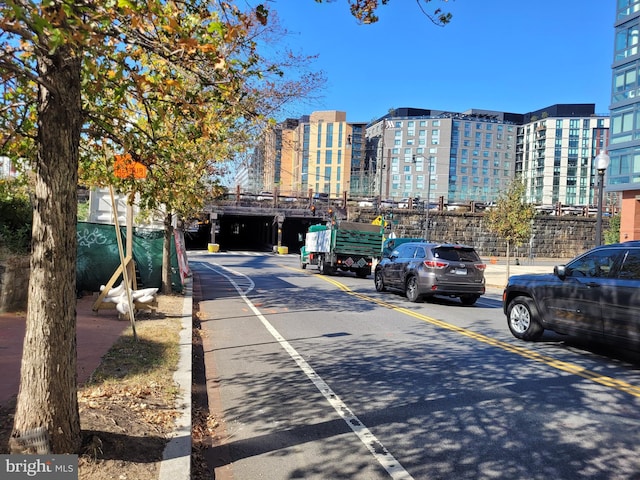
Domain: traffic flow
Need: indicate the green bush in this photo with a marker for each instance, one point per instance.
(612, 234)
(16, 216)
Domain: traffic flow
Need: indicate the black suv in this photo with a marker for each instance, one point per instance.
(596, 295)
(424, 269)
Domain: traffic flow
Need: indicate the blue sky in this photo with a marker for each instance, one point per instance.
(507, 55)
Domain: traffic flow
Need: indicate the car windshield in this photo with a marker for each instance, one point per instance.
(456, 254)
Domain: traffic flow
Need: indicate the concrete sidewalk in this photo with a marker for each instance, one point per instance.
(95, 335)
(496, 273)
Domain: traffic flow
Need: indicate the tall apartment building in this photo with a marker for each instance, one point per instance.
(473, 155)
(462, 157)
(555, 150)
(623, 174)
(315, 153)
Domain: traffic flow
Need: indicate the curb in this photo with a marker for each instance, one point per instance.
(176, 458)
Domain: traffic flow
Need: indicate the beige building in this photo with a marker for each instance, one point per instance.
(311, 154)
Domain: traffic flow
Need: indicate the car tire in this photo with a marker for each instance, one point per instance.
(379, 281)
(411, 289)
(522, 318)
(468, 300)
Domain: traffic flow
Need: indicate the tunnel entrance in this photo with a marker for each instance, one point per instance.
(254, 233)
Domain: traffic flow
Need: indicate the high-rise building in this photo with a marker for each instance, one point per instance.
(473, 155)
(555, 149)
(462, 157)
(623, 174)
(316, 153)
(459, 157)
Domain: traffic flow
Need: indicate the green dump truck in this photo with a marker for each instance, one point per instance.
(346, 246)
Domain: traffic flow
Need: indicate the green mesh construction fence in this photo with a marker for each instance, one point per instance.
(98, 256)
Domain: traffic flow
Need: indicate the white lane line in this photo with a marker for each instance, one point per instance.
(246, 286)
(368, 439)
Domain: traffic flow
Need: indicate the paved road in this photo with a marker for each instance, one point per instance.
(322, 377)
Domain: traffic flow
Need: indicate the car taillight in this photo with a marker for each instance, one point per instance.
(480, 266)
(434, 264)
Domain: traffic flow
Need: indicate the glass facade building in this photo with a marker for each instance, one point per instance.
(623, 174)
(624, 147)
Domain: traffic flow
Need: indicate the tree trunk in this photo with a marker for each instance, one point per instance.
(166, 254)
(508, 261)
(48, 377)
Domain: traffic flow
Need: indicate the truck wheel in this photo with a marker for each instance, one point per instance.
(522, 318)
(379, 281)
(322, 266)
(411, 289)
(362, 273)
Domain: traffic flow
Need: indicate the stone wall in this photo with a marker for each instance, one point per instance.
(14, 284)
(554, 237)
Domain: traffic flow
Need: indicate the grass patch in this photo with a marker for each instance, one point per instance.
(127, 408)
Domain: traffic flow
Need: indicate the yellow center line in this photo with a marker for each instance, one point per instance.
(563, 366)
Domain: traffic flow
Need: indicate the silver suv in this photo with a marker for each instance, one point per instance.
(425, 269)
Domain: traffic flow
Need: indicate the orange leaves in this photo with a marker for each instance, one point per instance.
(125, 167)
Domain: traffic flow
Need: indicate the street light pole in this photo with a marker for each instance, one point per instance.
(602, 163)
(428, 202)
(381, 166)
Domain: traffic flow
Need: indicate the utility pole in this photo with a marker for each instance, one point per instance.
(427, 204)
(381, 164)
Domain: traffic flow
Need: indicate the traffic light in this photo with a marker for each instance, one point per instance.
(330, 212)
(313, 210)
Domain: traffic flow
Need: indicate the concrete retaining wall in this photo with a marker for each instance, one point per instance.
(14, 284)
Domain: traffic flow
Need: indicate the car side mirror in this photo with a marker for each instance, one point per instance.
(560, 271)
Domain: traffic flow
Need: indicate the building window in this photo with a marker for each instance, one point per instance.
(626, 43)
(327, 157)
(621, 126)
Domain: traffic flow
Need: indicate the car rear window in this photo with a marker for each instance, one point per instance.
(456, 254)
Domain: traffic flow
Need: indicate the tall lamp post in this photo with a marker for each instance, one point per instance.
(427, 205)
(602, 163)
